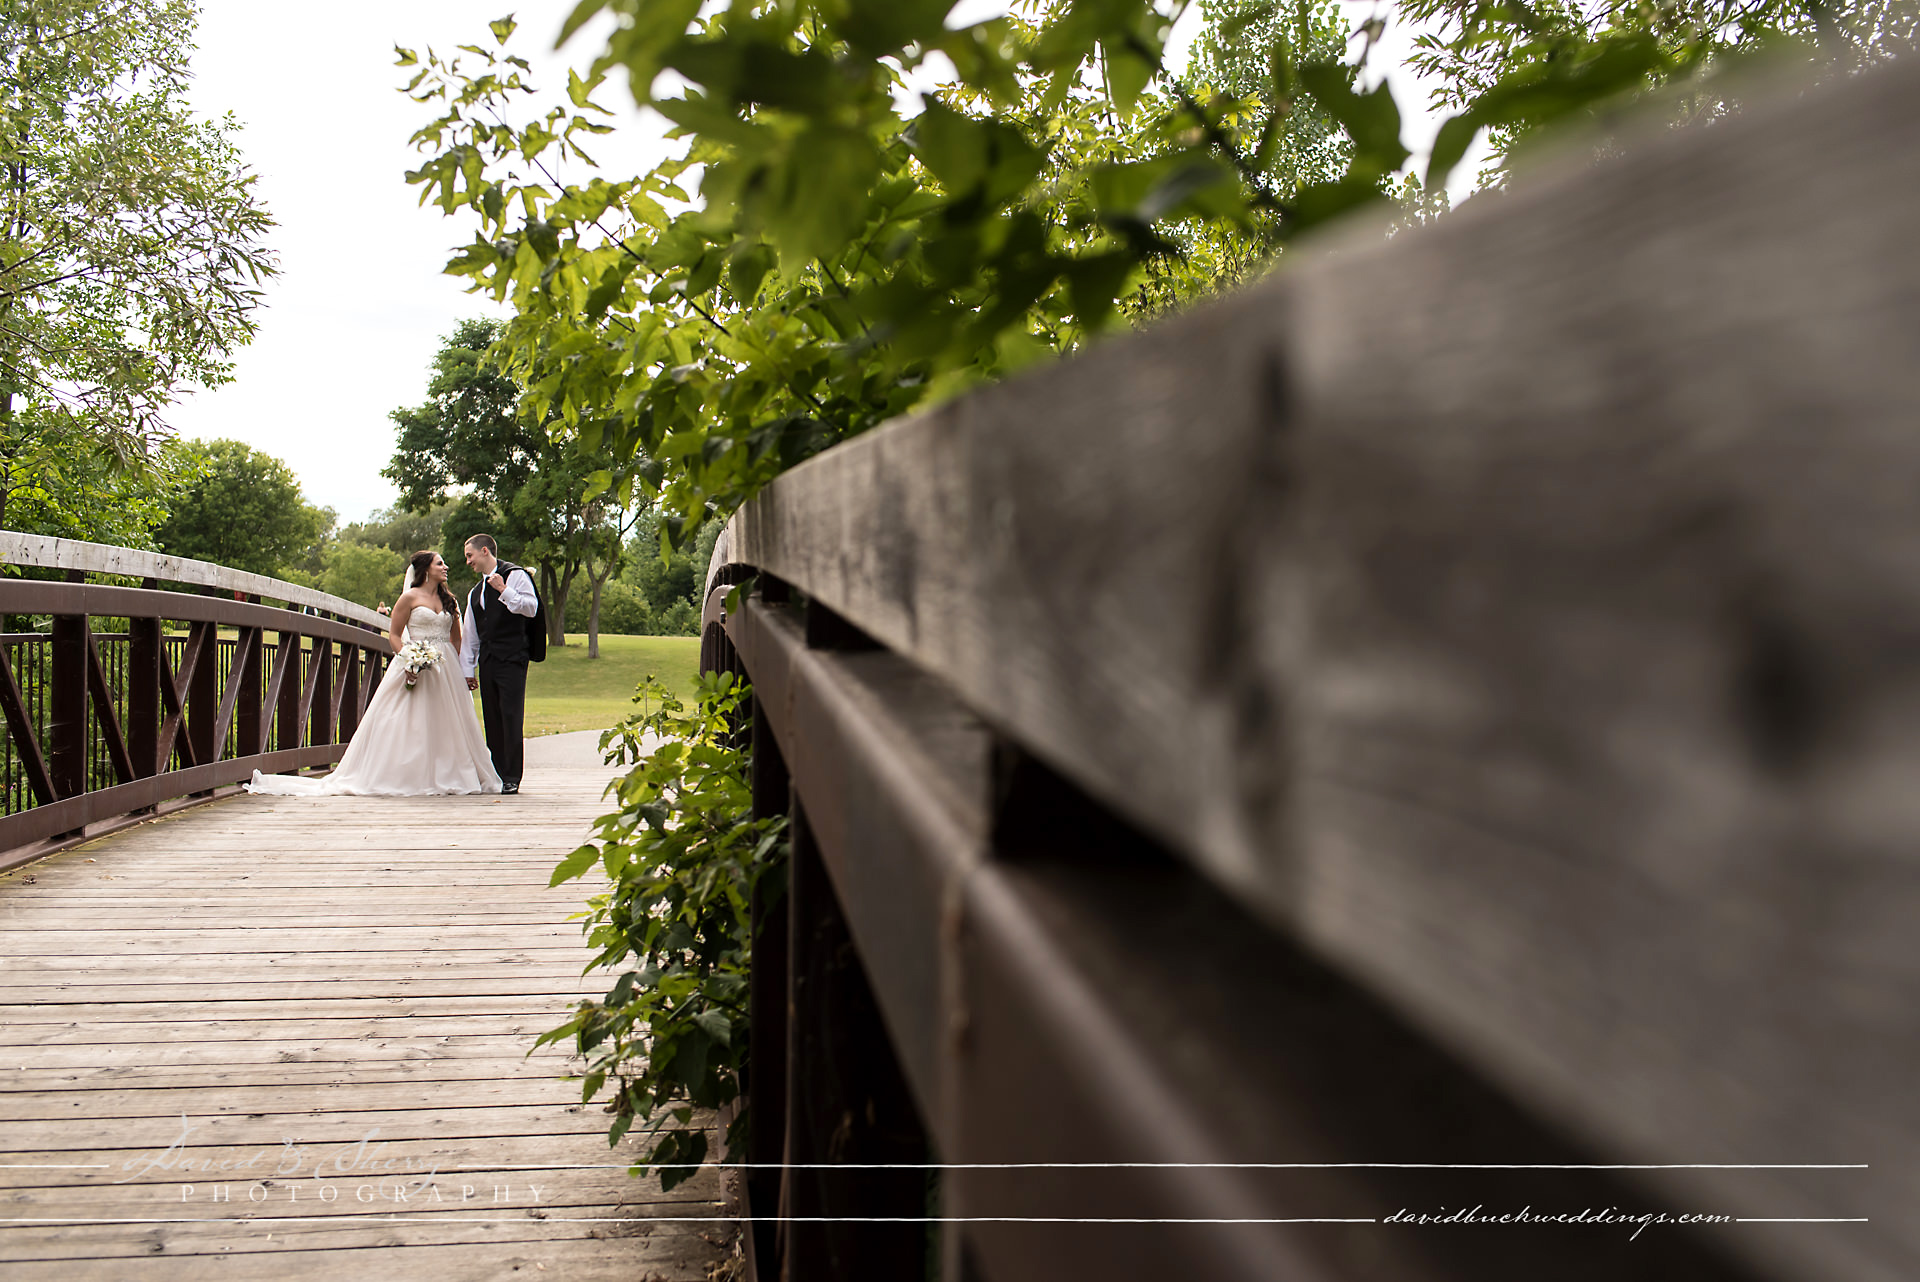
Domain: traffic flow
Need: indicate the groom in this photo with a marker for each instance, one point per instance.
(494, 651)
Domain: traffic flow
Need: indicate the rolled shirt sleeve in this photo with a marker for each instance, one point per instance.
(469, 641)
(519, 596)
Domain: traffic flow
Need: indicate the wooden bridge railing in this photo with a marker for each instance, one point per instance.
(1457, 703)
(178, 694)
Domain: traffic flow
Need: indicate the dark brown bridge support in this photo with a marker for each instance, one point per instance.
(766, 1084)
(847, 1106)
(67, 706)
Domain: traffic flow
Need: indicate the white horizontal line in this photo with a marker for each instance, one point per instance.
(55, 1166)
(433, 1218)
(430, 1217)
(1205, 1166)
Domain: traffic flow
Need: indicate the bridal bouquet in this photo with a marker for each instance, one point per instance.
(416, 657)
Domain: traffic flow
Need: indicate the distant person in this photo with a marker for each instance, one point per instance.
(500, 622)
(419, 736)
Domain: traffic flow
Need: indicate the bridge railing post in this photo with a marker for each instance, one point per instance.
(143, 696)
(67, 706)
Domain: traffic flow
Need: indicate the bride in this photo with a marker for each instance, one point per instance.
(413, 740)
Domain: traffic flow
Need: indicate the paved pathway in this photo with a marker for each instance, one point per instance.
(333, 997)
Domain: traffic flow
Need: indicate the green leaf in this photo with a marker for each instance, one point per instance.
(814, 195)
(877, 28)
(579, 92)
(1450, 144)
(1371, 119)
(1127, 74)
(502, 28)
(986, 159)
(575, 865)
(1323, 202)
(1093, 283)
(748, 265)
(581, 15)
(643, 46)
(715, 1024)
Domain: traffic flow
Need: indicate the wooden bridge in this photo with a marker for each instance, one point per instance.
(1404, 775)
(286, 1038)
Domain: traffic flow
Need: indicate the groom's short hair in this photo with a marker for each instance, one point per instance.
(485, 541)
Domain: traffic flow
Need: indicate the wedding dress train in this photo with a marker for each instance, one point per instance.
(414, 742)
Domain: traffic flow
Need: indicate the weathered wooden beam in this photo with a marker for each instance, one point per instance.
(74, 555)
(34, 596)
(243, 678)
(1058, 990)
(1519, 614)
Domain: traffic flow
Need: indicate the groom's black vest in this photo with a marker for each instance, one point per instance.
(503, 634)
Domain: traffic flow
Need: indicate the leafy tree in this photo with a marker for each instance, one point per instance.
(131, 251)
(362, 572)
(62, 486)
(847, 260)
(244, 509)
(849, 257)
(605, 525)
(469, 453)
(399, 530)
(623, 612)
(1513, 70)
(466, 451)
(468, 435)
(465, 517)
(663, 575)
(1244, 61)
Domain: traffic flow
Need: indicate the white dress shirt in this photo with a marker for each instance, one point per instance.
(520, 600)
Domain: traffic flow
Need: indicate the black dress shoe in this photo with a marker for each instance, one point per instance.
(509, 789)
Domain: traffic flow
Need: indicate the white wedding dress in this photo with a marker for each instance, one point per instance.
(414, 742)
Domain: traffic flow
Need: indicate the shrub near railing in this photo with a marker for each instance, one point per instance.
(686, 862)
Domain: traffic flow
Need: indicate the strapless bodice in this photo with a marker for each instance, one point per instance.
(429, 625)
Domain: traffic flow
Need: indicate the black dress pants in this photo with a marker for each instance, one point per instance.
(503, 710)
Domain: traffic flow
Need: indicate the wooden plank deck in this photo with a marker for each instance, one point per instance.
(335, 998)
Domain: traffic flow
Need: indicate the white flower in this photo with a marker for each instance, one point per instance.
(415, 656)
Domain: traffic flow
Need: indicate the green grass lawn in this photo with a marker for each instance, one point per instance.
(571, 692)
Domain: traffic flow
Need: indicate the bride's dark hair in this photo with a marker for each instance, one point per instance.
(417, 566)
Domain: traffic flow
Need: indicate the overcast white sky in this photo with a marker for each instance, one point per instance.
(351, 324)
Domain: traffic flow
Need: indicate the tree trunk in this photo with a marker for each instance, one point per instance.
(553, 590)
(599, 583)
(6, 480)
(561, 593)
